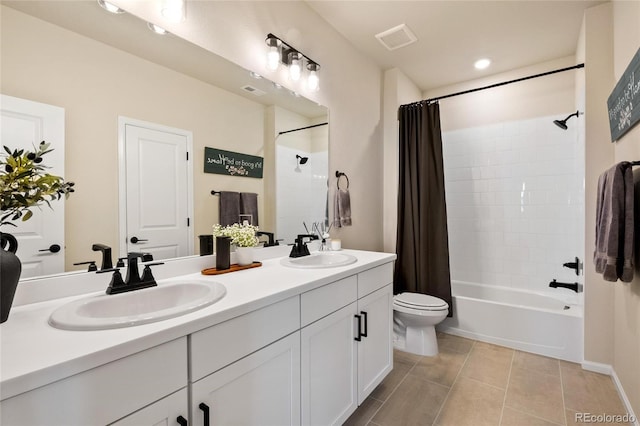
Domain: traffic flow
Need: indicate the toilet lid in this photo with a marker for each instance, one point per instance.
(419, 301)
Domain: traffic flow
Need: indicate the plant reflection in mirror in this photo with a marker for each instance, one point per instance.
(24, 183)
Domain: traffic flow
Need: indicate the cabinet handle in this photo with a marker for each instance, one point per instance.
(205, 410)
(359, 336)
(182, 421)
(364, 314)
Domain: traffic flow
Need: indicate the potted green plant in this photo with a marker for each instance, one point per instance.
(24, 184)
(242, 236)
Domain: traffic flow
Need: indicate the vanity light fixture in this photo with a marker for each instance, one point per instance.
(156, 29)
(174, 10)
(279, 52)
(110, 7)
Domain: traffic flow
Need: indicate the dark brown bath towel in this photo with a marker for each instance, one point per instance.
(613, 255)
(229, 207)
(342, 208)
(249, 206)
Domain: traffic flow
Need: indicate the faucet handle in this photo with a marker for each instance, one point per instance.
(116, 283)
(147, 275)
(92, 265)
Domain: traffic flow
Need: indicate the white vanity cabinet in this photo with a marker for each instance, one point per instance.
(170, 410)
(346, 346)
(246, 371)
(104, 394)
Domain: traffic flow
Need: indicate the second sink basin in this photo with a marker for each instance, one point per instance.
(137, 307)
(323, 259)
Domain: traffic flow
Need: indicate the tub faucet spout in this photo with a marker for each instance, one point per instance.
(571, 286)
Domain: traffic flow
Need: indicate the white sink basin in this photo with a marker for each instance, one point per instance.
(137, 307)
(324, 259)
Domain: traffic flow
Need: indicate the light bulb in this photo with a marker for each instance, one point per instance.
(313, 81)
(273, 53)
(295, 69)
(174, 10)
(273, 58)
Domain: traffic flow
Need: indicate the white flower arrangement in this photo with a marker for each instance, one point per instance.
(241, 235)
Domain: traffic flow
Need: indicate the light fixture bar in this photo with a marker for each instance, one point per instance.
(281, 52)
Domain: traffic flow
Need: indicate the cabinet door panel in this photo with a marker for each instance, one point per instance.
(328, 356)
(262, 389)
(163, 412)
(375, 352)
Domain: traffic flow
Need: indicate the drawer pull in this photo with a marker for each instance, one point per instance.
(364, 314)
(182, 421)
(359, 336)
(205, 411)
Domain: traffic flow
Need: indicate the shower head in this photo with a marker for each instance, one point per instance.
(563, 123)
(302, 160)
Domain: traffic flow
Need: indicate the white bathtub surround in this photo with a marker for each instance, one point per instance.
(519, 319)
(515, 203)
(309, 184)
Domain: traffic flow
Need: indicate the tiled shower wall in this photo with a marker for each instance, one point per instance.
(301, 192)
(515, 203)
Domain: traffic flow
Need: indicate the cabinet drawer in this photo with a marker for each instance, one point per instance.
(104, 394)
(374, 278)
(220, 345)
(321, 301)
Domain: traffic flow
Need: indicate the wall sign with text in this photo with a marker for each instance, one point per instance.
(231, 163)
(624, 101)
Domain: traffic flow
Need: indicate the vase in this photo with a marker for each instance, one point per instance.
(223, 253)
(10, 269)
(244, 256)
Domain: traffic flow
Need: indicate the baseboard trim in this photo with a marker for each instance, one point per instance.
(609, 371)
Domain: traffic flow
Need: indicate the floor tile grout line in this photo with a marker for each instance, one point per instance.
(564, 406)
(534, 416)
(370, 420)
(453, 384)
(506, 389)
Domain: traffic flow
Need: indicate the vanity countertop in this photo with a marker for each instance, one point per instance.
(34, 354)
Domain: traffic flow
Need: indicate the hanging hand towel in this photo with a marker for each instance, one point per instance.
(229, 207)
(249, 206)
(613, 255)
(342, 208)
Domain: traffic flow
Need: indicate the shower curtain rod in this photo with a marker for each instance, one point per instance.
(302, 128)
(498, 84)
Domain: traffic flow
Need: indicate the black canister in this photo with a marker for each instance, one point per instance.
(223, 253)
(206, 245)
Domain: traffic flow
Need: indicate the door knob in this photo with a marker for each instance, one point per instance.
(136, 240)
(53, 248)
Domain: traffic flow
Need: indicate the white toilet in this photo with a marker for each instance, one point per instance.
(415, 316)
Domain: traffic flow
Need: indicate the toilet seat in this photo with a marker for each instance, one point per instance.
(419, 302)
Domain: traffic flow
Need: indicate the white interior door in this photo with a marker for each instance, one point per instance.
(24, 125)
(156, 191)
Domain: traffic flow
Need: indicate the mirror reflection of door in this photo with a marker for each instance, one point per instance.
(155, 190)
(40, 239)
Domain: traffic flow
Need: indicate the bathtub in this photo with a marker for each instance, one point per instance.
(517, 319)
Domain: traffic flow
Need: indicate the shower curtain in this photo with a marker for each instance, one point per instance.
(422, 243)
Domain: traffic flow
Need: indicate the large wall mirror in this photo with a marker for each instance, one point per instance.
(101, 68)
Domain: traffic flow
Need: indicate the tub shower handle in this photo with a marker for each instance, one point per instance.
(574, 265)
(359, 336)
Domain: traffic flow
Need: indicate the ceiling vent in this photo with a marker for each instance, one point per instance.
(254, 91)
(397, 37)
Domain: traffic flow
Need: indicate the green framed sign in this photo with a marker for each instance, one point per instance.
(624, 101)
(230, 163)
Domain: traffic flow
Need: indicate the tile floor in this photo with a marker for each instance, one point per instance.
(474, 383)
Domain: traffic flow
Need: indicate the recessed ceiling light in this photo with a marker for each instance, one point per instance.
(110, 7)
(255, 75)
(156, 29)
(481, 64)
